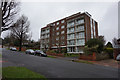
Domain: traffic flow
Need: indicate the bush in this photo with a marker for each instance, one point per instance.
(95, 45)
(109, 51)
(102, 56)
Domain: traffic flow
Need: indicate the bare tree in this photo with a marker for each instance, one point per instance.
(10, 9)
(20, 31)
(114, 41)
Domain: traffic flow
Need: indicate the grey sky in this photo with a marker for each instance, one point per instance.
(42, 13)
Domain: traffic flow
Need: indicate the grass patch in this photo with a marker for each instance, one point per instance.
(20, 72)
(81, 61)
(0, 55)
(71, 55)
(51, 56)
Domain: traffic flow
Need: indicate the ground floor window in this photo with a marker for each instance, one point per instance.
(71, 49)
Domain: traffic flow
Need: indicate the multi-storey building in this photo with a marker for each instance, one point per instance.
(71, 33)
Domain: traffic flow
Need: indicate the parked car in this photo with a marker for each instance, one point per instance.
(30, 51)
(13, 49)
(118, 57)
(41, 53)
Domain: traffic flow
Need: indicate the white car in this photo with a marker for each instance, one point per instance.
(13, 49)
(118, 57)
(29, 51)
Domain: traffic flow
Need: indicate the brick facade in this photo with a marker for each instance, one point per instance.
(71, 33)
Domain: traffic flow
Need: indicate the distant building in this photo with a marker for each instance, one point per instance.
(71, 33)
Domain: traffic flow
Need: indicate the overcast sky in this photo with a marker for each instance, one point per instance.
(42, 13)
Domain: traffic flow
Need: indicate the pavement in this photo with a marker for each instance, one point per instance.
(56, 68)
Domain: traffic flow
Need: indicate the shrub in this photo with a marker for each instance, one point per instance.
(95, 45)
(109, 51)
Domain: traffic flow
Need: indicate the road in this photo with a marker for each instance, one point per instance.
(56, 68)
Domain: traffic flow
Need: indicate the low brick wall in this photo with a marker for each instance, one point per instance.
(55, 54)
(88, 57)
(22, 49)
(116, 52)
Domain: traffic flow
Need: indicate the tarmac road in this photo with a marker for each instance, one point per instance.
(56, 68)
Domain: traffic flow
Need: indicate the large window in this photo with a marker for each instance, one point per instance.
(80, 28)
(70, 36)
(70, 24)
(71, 49)
(71, 42)
(80, 35)
(94, 30)
(80, 21)
(80, 42)
(91, 28)
(70, 30)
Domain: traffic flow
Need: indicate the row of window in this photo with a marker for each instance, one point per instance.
(77, 42)
(62, 32)
(62, 37)
(77, 22)
(75, 49)
(58, 22)
(78, 35)
(76, 29)
(61, 27)
(45, 36)
(45, 31)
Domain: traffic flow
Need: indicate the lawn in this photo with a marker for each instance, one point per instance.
(20, 72)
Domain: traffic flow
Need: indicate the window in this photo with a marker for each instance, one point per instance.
(70, 36)
(70, 24)
(71, 49)
(80, 42)
(57, 33)
(94, 30)
(57, 38)
(71, 42)
(62, 27)
(80, 28)
(80, 21)
(57, 28)
(62, 37)
(91, 28)
(62, 43)
(70, 30)
(62, 32)
(62, 21)
(54, 24)
(80, 35)
(57, 23)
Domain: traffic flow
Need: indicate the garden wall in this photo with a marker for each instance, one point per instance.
(88, 57)
(55, 54)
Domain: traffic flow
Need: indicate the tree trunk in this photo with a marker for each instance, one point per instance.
(20, 46)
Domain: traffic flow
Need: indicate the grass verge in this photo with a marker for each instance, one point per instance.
(81, 61)
(20, 72)
(51, 56)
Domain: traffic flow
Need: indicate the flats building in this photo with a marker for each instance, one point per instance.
(69, 33)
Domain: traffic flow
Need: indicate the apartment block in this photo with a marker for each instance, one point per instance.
(71, 33)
